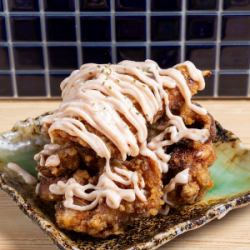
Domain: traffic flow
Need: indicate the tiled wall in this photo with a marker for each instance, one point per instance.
(42, 41)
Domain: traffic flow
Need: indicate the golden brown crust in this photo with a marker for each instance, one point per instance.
(43, 189)
(69, 162)
(104, 221)
(197, 158)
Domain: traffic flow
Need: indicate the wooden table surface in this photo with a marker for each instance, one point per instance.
(232, 232)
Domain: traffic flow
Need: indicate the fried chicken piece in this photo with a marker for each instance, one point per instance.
(176, 104)
(62, 138)
(176, 101)
(43, 192)
(55, 160)
(100, 222)
(103, 220)
(197, 157)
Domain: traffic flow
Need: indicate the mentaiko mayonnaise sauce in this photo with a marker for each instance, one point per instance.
(102, 96)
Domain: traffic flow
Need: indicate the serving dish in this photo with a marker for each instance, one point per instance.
(230, 173)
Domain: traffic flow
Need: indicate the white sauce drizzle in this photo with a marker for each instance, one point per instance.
(52, 160)
(180, 179)
(37, 188)
(165, 209)
(29, 179)
(102, 95)
(105, 188)
(48, 151)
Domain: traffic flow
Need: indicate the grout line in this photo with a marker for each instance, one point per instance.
(139, 43)
(148, 29)
(128, 13)
(217, 52)
(30, 98)
(45, 48)
(10, 48)
(35, 71)
(248, 94)
(248, 83)
(113, 32)
(78, 33)
(183, 29)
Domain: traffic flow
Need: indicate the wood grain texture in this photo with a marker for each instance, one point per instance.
(17, 232)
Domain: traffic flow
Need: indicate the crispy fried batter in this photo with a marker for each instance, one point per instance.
(100, 222)
(197, 158)
(61, 138)
(103, 220)
(43, 189)
(81, 162)
(69, 162)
